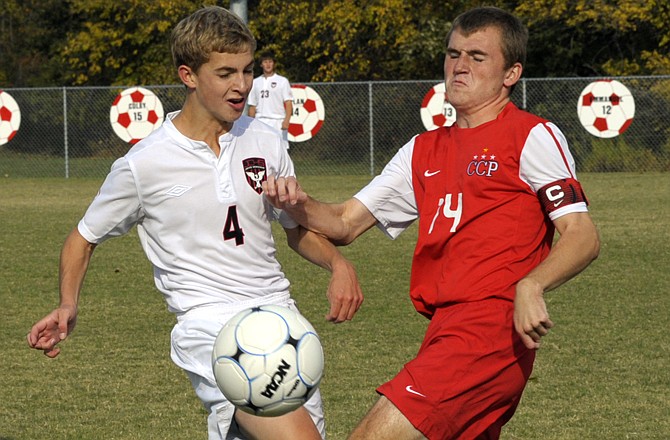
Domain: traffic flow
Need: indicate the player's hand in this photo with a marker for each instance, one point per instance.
(531, 319)
(52, 329)
(282, 191)
(344, 293)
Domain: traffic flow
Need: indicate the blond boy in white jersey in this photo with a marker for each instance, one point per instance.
(193, 189)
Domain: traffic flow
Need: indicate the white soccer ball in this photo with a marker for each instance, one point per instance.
(606, 108)
(268, 360)
(10, 117)
(135, 113)
(435, 109)
(308, 114)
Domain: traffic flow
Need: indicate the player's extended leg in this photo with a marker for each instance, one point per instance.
(296, 425)
(385, 422)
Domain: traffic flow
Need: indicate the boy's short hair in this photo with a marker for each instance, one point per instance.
(514, 35)
(267, 56)
(207, 30)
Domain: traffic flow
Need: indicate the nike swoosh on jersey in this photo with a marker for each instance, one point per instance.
(557, 204)
(430, 173)
(409, 389)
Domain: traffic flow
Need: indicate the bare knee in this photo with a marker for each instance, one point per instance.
(296, 425)
(384, 421)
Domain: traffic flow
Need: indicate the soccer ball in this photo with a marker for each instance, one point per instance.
(10, 117)
(268, 360)
(308, 114)
(435, 110)
(135, 113)
(606, 108)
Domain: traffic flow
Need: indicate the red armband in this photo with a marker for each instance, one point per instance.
(561, 193)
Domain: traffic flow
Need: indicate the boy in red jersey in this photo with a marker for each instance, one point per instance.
(489, 193)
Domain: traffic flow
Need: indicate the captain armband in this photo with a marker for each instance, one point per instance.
(561, 193)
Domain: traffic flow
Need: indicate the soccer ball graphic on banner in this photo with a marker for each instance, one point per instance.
(606, 108)
(308, 114)
(10, 117)
(268, 360)
(135, 113)
(435, 110)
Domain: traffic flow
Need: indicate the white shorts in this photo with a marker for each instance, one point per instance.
(192, 340)
(276, 123)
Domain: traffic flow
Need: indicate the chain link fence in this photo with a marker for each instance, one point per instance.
(66, 132)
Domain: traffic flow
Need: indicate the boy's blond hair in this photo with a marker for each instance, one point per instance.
(210, 29)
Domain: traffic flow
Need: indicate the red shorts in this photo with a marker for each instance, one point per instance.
(468, 377)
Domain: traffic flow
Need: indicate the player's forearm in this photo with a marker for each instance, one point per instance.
(74, 260)
(323, 218)
(576, 248)
(314, 248)
(339, 222)
(288, 107)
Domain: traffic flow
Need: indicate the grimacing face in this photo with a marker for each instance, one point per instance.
(474, 69)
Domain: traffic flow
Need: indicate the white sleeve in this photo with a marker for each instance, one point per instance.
(253, 95)
(546, 159)
(287, 93)
(390, 196)
(115, 209)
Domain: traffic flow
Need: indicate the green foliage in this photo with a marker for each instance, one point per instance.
(597, 38)
(30, 34)
(125, 42)
(342, 40)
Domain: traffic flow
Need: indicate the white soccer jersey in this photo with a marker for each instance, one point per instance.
(203, 221)
(268, 95)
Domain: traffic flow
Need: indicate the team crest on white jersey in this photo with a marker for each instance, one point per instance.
(254, 169)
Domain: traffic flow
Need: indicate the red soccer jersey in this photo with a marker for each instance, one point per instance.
(484, 197)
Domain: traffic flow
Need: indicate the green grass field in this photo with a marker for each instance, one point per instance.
(602, 373)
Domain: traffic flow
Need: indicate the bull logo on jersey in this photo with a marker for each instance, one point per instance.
(254, 169)
(483, 164)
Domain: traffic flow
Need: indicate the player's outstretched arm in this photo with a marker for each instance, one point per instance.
(344, 291)
(577, 246)
(57, 325)
(341, 223)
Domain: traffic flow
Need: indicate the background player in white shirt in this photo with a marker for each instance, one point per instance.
(193, 189)
(271, 99)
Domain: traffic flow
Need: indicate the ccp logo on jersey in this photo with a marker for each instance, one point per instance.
(482, 165)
